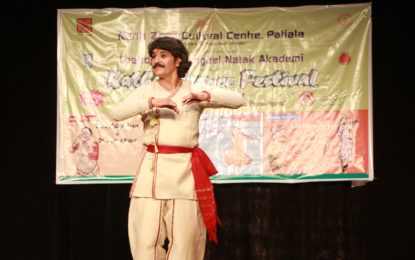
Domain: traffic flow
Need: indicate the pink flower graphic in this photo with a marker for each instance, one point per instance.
(94, 97)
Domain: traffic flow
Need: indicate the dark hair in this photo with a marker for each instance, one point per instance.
(85, 127)
(176, 48)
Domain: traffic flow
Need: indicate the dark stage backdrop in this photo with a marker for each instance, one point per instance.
(260, 221)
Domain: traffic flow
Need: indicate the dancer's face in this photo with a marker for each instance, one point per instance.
(164, 64)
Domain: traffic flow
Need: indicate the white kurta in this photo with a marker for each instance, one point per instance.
(171, 176)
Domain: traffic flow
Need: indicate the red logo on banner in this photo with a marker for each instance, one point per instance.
(84, 25)
(345, 20)
(344, 58)
(205, 23)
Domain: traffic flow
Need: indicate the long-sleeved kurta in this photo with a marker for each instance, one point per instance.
(169, 176)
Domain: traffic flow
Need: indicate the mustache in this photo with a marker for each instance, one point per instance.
(158, 65)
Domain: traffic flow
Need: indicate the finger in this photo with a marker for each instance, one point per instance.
(168, 103)
(190, 101)
(187, 100)
(172, 107)
(173, 104)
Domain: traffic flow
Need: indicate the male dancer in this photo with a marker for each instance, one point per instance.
(172, 196)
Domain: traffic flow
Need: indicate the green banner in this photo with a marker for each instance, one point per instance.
(305, 73)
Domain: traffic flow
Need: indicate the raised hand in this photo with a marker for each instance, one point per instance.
(166, 103)
(195, 97)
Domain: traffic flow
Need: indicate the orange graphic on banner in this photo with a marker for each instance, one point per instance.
(316, 142)
(84, 25)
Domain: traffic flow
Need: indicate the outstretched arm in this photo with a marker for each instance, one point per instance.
(221, 97)
(216, 97)
(136, 103)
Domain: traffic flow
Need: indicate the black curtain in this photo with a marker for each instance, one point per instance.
(326, 220)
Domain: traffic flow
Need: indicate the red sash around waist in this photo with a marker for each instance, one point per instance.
(202, 168)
